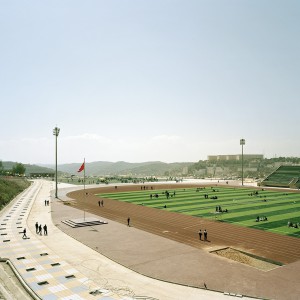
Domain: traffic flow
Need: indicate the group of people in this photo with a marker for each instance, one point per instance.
(145, 187)
(212, 197)
(38, 229)
(204, 234)
(47, 202)
(155, 195)
(168, 194)
(264, 218)
(294, 225)
(101, 203)
(255, 193)
(219, 209)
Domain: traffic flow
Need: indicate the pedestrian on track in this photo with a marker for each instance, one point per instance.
(200, 235)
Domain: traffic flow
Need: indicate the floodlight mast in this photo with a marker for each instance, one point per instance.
(242, 143)
(56, 133)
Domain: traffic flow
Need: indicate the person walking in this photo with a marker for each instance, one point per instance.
(36, 227)
(200, 235)
(128, 221)
(40, 229)
(45, 230)
(205, 235)
(24, 234)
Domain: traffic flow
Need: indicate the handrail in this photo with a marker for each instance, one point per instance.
(22, 281)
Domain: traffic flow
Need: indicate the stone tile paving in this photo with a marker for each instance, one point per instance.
(46, 274)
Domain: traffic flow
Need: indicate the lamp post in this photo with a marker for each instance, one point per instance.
(56, 133)
(242, 142)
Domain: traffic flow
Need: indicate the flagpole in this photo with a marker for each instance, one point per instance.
(84, 174)
(84, 196)
(84, 190)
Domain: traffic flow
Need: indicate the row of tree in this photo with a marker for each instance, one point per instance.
(17, 170)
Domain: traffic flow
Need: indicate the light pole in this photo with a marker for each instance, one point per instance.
(56, 133)
(242, 142)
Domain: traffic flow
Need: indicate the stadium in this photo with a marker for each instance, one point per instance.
(243, 255)
(141, 241)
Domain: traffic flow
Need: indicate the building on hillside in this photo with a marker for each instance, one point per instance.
(216, 171)
(234, 157)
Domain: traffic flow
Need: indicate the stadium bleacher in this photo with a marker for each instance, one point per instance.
(284, 176)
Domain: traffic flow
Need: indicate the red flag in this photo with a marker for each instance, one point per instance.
(81, 168)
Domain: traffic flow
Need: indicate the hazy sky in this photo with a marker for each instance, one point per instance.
(139, 80)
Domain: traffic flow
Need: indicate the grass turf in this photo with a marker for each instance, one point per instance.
(242, 204)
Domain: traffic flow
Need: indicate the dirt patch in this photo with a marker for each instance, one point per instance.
(244, 258)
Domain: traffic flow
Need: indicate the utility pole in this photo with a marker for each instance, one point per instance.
(242, 143)
(56, 133)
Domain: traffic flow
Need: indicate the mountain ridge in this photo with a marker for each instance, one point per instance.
(102, 168)
(107, 168)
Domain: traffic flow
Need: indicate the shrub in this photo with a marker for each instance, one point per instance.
(10, 188)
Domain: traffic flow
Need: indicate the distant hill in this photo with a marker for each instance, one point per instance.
(102, 168)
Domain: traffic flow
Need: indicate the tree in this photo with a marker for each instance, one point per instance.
(18, 169)
(1, 167)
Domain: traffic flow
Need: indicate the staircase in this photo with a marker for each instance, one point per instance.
(82, 222)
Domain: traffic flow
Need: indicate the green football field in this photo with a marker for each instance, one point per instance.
(242, 204)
